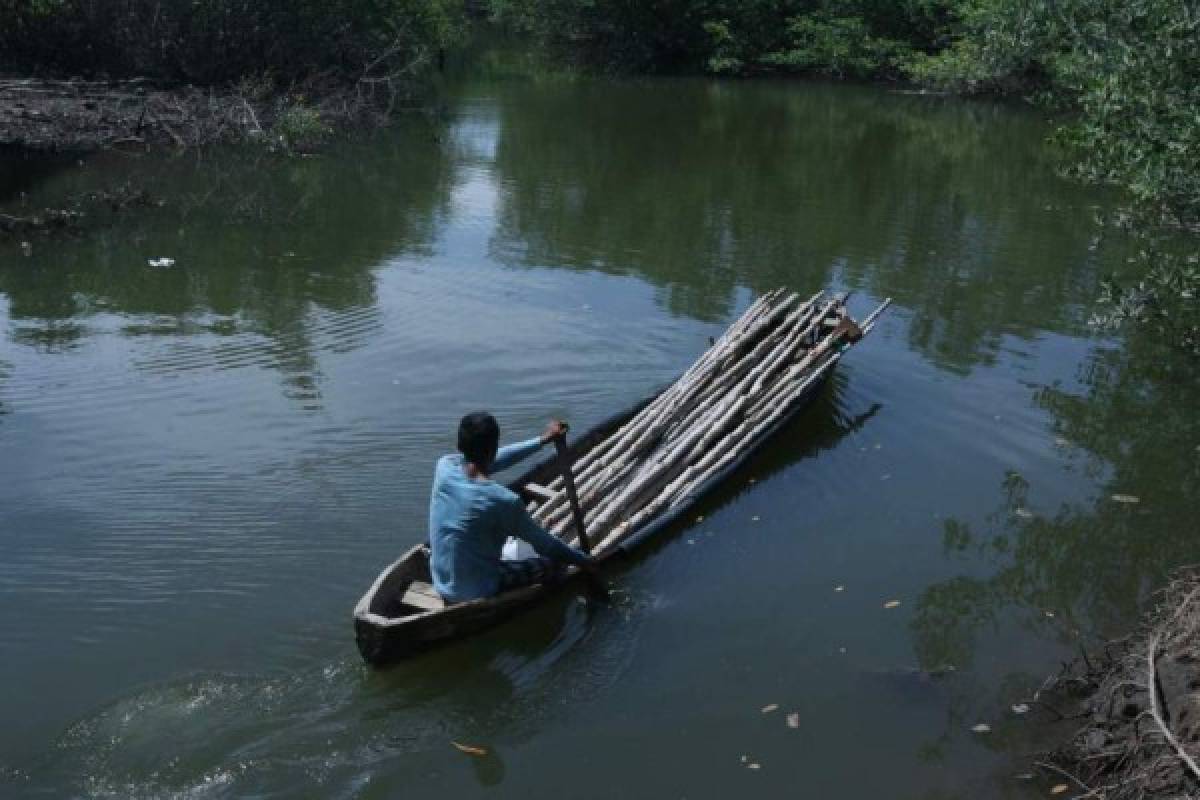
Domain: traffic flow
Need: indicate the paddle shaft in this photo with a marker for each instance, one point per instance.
(564, 466)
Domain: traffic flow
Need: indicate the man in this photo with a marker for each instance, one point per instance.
(471, 516)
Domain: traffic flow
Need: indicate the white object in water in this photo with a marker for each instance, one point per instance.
(161, 262)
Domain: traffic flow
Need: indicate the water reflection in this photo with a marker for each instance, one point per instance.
(952, 208)
(274, 257)
(1086, 565)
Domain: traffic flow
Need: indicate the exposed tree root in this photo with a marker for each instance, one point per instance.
(1142, 702)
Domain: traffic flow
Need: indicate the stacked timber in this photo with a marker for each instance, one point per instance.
(710, 418)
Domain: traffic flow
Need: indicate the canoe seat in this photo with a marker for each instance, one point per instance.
(423, 596)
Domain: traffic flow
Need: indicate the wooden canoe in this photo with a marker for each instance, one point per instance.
(400, 615)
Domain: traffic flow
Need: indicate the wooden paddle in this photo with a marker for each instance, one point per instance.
(596, 587)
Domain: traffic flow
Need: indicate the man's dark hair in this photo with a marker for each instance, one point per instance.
(478, 438)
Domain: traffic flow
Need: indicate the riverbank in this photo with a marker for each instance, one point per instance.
(79, 115)
(1141, 700)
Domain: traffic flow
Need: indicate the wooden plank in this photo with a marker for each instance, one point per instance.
(423, 596)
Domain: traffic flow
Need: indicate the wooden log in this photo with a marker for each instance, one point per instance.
(641, 486)
(646, 427)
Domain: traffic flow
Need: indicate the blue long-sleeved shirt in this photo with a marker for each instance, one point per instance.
(469, 521)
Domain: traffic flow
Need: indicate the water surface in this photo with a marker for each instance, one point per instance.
(203, 466)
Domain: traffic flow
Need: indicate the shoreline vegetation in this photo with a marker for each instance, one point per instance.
(80, 75)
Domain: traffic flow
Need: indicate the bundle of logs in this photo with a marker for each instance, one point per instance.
(735, 394)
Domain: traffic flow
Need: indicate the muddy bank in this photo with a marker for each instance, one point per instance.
(1140, 700)
(77, 115)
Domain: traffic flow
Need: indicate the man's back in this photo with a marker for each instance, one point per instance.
(469, 521)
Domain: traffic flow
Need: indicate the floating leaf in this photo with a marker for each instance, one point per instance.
(793, 720)
(891, 604)
(1059, 788)
(1126, 498)
(470, 750)
(982, 727)
(767, 709)
(1020, 708)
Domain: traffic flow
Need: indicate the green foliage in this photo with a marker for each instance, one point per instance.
(221, 41)
(839, 46)
(298, 128)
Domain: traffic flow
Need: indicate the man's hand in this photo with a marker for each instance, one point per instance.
(555, 429)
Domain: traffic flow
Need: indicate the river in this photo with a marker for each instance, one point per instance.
(203, 465)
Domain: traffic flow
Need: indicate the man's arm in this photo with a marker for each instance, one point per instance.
(514, 453)
(544, 542)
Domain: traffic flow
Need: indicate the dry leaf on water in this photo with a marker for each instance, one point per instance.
(891, 604)
(769, 708)
(1059, 788)
(470, 749)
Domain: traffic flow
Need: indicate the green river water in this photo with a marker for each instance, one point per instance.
(203, 466)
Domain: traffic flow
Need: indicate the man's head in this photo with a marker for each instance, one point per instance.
(478, 438)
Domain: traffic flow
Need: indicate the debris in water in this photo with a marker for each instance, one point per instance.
(793, 720)
(700, 518)
(161, 262)
(982, 727)
(1049, 614)
(1126, 498)
(754, 765)
(26, 249)
(1020, 708)
(891, 604)
(1024, 513)
(839, 588)
(1059, 788)
(767, 709)
(754, 519)
(470, 750)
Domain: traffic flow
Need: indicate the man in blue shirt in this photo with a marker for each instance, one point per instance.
(471, 516)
